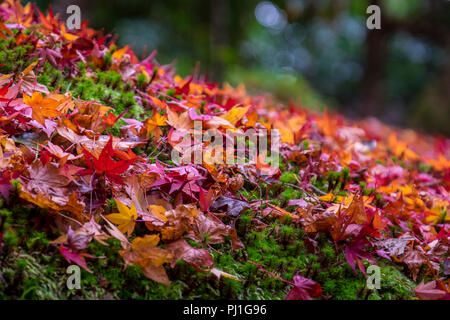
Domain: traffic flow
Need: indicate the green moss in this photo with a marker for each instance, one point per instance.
(288, 177)
(106, 87)
(328, 251)
(14, 58)
(291, 193)
(424, 168)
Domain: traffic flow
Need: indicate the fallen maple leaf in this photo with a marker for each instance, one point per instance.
(56, 204)
(177, 221)
(304, 289)
(232, 207)
(42, 107)
(433, 290)
(154, 123)
(208, 229)
(235, 114)
(105, 164)
(145, 253)
(414, 259)
(355, 251)
(125, 219)
(77, 257)
(200, 259)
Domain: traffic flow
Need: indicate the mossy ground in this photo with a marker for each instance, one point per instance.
(32, 268)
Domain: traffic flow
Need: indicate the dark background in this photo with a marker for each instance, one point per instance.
(316, 52)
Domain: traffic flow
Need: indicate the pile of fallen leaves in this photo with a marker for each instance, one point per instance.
(73, 158)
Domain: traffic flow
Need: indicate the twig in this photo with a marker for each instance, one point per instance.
(270, 273)
(317, 189)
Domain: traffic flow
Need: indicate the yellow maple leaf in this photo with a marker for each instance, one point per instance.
(42, 107)
(158, 211)
(287, 136)
(152, 124)
(145, 253)
(146, 246)
(235, 114)
(66, 35)
(118, 54)
(438, 213)
(125, 218)
(328, 197)
(29, 68)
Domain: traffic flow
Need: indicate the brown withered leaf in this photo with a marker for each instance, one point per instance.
(30, 85)
(236, 243)
(145, 253)
(349, 220)
(147, 208)
(46, 178)
(200, 259)
(278, 212)
(357, 211)
(92, 227)
(178, 222)
(9, 153)
(45, 201)
(300, 156)
(208, 229)
(319, 222)
(90, 116)
(236, 183)
(96, 146)
(414, 260)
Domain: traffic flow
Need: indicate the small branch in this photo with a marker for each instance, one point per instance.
(270, 273)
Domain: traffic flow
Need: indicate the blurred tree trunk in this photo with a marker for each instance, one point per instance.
(374, 64)
(219, 36)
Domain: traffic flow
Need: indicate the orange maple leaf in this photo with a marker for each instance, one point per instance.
(42, 107)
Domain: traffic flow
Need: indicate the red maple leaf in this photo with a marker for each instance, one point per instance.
(304, 289)
(355, 251)
(105, 164)
(76, 257)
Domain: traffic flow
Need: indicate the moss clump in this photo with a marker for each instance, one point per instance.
(14, 58)
(288, 177)
(105, 87)
(291, 193)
